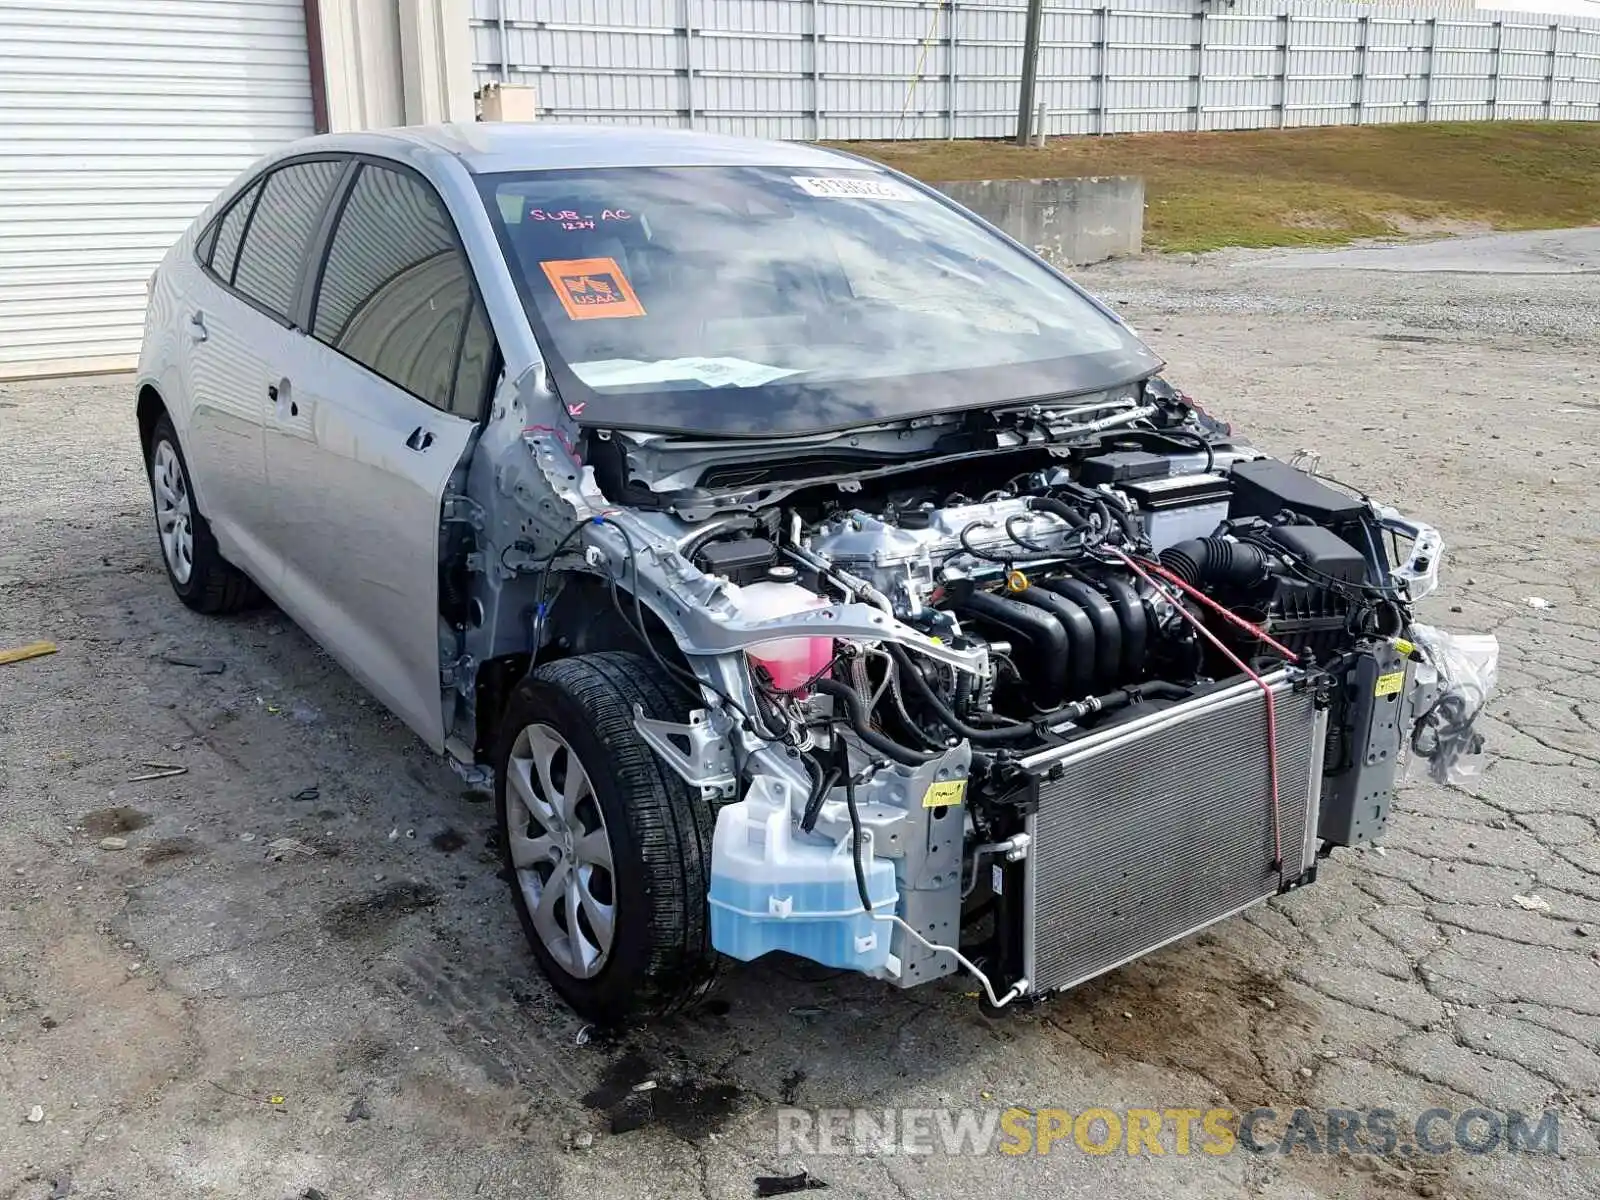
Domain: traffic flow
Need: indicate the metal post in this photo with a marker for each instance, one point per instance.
(816, 70)
(1038, 126)
(1200, 70)
(1365, 24)
(1427, 79)
(950, 69)
(505, 45)
(688, 56)
(1102, 79)
(1030, 69)
(1550, 72)
(1283, 75)
(1494, 73)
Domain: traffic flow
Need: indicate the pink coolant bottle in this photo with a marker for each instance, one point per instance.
(791, 662)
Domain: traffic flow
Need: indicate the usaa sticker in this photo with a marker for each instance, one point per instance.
(592, 288)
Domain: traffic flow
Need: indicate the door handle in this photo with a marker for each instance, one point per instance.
(197, 326)
(419, 440)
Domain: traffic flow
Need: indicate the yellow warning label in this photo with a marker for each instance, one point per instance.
(1391, 683)
(1404, 646)
(945, 793)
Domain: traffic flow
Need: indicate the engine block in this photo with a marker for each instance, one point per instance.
(901, 552)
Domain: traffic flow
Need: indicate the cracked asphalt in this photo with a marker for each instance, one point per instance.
(206, 1014)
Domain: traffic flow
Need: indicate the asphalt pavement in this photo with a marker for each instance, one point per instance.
(193, 1007)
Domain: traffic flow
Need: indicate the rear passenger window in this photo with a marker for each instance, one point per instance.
(396, 294)
(268, 270)
(208, 240)
(226, 248)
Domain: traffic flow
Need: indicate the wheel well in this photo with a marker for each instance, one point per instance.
(581, 620)
(150, 409)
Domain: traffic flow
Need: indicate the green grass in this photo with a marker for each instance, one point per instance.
(1302, 187)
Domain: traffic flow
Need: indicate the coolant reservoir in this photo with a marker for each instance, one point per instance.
(775, 888)
(791, 662)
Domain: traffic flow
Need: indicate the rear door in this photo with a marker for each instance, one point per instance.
(378, 412)
(237, 337)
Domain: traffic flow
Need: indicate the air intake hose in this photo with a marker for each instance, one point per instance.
(1215, 560)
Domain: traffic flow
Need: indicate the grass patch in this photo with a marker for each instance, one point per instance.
(1301, 187)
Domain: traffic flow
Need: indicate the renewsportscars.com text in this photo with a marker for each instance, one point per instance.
(1377, 1132)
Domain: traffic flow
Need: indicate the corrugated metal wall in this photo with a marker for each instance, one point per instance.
(949, 68)
(119, 120)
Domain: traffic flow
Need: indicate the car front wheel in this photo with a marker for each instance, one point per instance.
(607, 849)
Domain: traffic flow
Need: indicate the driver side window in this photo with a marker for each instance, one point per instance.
(396, 294)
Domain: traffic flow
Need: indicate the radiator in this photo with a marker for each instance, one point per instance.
(1151, 830)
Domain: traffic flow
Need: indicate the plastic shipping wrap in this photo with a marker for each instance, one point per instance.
(1457, 676)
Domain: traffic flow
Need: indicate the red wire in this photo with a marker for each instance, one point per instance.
(1256, 630)
(1266, 690)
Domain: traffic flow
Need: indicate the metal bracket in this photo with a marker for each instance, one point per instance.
(1420, 571)
(462, 509)
(694, 750)
(459, 674)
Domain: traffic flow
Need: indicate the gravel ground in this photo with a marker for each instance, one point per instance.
(198, 1015)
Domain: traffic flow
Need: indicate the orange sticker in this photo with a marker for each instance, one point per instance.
(591, 288)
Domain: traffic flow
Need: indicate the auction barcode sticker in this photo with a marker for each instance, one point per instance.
(840, 187)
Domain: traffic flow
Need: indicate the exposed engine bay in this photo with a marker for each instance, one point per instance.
(1025, 693)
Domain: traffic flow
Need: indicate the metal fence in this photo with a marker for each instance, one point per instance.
(949, 68)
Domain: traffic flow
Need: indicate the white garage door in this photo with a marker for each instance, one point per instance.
(119, 121)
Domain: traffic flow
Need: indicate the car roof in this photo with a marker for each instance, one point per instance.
(489, 147)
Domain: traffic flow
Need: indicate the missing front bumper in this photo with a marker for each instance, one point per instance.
(1152, 830)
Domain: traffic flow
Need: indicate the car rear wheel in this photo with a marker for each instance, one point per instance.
(607, 849)
(201, 577)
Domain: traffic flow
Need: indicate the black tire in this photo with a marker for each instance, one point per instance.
(214, 586)
(660, 830)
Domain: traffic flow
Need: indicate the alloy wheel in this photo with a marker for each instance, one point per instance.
(174, 511)
(560, 850)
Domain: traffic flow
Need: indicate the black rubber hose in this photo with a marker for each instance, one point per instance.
(925, 742)
(1080, 636)
(1114, 512)
(1157, 689)
(924, 690)
(1176, 435)
(857, 716)
(1130, 612)
(1059, 508)
(1213, 560)
(820, 787)
(1200, 441)
(728, 527)
(1042, 632)
(855, 842)
(1107, 626)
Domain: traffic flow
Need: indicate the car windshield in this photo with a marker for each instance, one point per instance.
(758, 300)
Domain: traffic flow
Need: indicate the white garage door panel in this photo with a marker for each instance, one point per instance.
(119, 121)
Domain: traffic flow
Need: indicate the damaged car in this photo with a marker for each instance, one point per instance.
(812, 567)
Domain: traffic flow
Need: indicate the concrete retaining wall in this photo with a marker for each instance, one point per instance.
(1070, 222)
